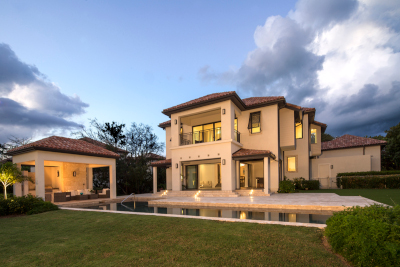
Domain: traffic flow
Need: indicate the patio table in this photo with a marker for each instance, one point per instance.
(93, 196)
(81, 197)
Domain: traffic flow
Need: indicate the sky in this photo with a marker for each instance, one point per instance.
(65, 62)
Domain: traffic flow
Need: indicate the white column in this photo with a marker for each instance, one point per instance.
(25, 191)
(155, 180)
(113, 180)
(238, 174)
(90, 185)
(176, 176)
(17, 189)
(266, 175)
(246, 175)
(39, 177)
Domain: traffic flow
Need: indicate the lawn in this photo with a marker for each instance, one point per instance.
(386, 196)
(72, 238)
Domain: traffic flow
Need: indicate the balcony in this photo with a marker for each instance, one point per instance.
(204, 136)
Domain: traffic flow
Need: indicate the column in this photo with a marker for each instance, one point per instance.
(113, 180)
(25, 191)
(266, 175)
(155, 180)
(176, 176)
(39, 177)
(238, 174)
(17, 187)
(90, 178)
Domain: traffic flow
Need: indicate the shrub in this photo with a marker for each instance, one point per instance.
(368, 236)
(24, 205)
(367, 173)
(369, 182)
(311, 184)
(286, 186)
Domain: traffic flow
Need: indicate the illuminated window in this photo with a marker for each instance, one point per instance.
(313, 136)
(255, 122)
(291, 164)
(299, 130)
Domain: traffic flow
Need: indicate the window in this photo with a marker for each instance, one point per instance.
(299, 130)
(291, 164)
(255, 123)
(313, 136)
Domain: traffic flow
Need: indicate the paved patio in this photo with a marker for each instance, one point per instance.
(297, 201)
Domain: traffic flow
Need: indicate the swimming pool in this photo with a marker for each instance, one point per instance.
(236, 213)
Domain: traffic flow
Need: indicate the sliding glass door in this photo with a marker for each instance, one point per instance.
(191, 177)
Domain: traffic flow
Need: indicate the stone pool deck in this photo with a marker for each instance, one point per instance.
(294, 202)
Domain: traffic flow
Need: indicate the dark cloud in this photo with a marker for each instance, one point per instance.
(12, 70)
(368, 112)
(29, 103)
(319, 14)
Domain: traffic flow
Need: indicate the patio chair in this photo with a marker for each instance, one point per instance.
(62, 196)
(105, 193)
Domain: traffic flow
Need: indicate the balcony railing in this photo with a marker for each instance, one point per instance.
(209, 135)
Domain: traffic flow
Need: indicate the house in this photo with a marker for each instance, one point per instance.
(222, 142)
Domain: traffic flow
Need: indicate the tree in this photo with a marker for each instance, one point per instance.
(12, 143)
(133, 168)
(9, 175)
(392, 149)
(111, 134)
(326, 137)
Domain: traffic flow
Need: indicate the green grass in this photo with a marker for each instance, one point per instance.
(78, 238)
(386, 196)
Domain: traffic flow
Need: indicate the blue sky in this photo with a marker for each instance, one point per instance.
(125, 61)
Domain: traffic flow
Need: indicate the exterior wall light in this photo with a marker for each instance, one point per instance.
(176, 165)
(223, 162)
(176, 121)
(223, 111)
(74, 174)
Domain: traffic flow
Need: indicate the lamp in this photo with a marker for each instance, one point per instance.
(74, 173)
(223, 111)
(223, 162)
(176, 165)
(176, 121)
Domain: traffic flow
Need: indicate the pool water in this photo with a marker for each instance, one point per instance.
(259, 214)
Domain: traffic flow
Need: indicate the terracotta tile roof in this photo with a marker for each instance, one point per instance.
(200, 100)
(251, 152)
(64, 145)
(165, 124)
(165, 162)
(348, 141)
(101, 144)
(293, 106)
(154, 156)
(253, 101)
(306, 110)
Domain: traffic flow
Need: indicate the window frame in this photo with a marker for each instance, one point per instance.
(295, 163)
(251, 121)
(316, 136)
(302, 132)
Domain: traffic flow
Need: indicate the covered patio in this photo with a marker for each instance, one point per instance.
(63, 168)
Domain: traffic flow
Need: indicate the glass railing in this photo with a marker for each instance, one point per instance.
(209, 135)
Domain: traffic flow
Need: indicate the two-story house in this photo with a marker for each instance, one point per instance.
(222, 142)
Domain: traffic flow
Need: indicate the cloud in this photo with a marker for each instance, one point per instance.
(30, 105)
(340, 56)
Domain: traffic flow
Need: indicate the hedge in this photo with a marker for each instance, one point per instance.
(289, 186)
(367, 173)
(368, 236)
(24, 205)
(389, 182)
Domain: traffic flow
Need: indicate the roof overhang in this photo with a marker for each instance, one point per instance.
(31, 149)
(233, 97)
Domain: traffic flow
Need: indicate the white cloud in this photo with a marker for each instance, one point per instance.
(325, 54)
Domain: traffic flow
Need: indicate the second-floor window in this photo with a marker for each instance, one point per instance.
(313, 136)
(207, 132)
(299, 130)
(255, 122)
